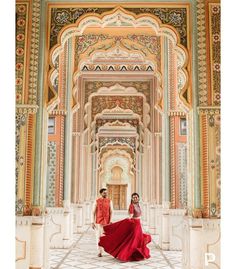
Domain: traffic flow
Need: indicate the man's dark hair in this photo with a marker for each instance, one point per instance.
(102, 190)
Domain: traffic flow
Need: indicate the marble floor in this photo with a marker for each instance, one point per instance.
(83, 254)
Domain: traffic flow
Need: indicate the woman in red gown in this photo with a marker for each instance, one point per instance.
(124, 239)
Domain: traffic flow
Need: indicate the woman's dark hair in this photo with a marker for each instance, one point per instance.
(133, 194)
(102, 190)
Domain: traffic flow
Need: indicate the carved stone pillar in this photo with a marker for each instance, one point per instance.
(210, 160)
(68, 125)
(25, 120)
(165, 240)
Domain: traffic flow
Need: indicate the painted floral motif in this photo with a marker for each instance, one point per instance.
(19, 66)
(152, 43)
(21, 9)
(51, 179)
(34, 52)
(101, 122)
(176, 17)
(18, 81)
(216, 67)
(84, 41)
(61, 17)
(99, 103)
(216, 38)
(21, 22)
(20, 121)
(216, 50)
(19, 51)
(215, 9)
(21, 13)
(141, 86)
(20, 37)
(117, 140)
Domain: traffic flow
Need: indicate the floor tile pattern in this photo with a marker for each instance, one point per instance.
(83, 254)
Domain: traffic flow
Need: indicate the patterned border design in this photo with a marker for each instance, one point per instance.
(149, 43)
(202, 63)
(182, 165)
(29, 159)
(214, 18)
(34, 52)
(133, 122)
(172, 162)
(204, 159)
(21, 120)
(176, 17)
(61, 188)
(141, 86)
(61, 17)
(99, 103)
(210, 158)
(113, 140)
(83, 42)
(21, 48)
(218, 165)
(51, 177)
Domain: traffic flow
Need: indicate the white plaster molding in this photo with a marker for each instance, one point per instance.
(23, 220)
(122, 160)
(116, 55)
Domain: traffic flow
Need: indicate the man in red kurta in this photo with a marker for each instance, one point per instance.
(101, 215)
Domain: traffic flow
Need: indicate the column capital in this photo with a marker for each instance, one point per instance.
(209, 110)
(26, 109)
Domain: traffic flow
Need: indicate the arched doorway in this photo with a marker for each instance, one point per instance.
(161, 106)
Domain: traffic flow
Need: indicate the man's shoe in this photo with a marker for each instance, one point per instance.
(100, 255)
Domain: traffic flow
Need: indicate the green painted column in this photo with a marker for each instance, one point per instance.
(39, 193)
(166, 127)
(197, 179)
(68, 125)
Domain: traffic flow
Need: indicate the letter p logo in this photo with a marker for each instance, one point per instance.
(209, 257)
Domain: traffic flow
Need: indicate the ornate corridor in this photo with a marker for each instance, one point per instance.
(124, 96)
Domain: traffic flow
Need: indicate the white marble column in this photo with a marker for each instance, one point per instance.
(165, 240)
(38, 244)
(23, 237)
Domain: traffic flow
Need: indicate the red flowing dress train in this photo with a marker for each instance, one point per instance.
(125, 240)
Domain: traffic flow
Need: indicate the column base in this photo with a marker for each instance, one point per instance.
(32, 242)
(167, 224)
(201, 246)
(61, 227)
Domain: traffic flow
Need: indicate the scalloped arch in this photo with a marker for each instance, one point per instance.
(117, 18)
